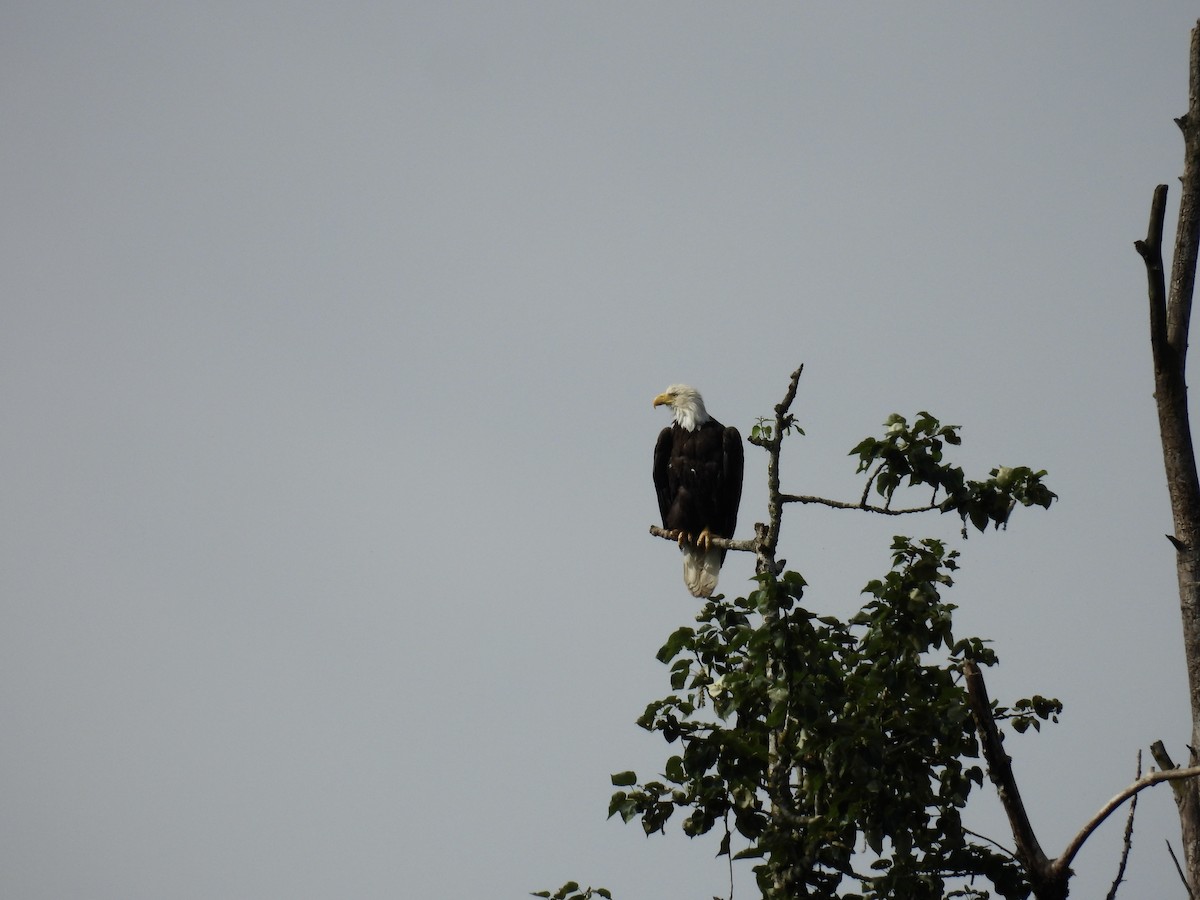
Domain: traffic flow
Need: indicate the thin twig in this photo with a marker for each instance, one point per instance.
(870, 481)
(999, 846)
(729, 853)
(1127, 843)
(1175, 860)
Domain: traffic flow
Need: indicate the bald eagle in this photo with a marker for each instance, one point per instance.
(698, 476)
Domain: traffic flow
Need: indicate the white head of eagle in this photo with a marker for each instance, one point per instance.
(698, 477)
(687, 404)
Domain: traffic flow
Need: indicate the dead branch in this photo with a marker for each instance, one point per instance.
(1048, 877)
(1127, 839)
(1187, 887)
(1148, 780)
(1028, 850)
(769, 539)
(1170, 319)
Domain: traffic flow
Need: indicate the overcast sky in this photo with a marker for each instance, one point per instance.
(329, 337)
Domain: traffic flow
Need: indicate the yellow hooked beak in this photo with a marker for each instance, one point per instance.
(663, 399)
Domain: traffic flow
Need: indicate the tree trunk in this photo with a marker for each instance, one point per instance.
(1170, 315)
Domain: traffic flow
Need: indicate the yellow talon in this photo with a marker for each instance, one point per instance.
(704, 540)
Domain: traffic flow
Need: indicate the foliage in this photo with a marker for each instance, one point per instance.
(572, 891)
(839, 754)
(915, 452)
(1030, 713)
(810, 737)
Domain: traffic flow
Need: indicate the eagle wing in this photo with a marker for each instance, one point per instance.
(731, 480)
(662, 475)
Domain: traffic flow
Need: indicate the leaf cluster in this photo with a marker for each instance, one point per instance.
(819, 742)
(914, 455)
(763, 430)
(572, 891)
(1030, 712)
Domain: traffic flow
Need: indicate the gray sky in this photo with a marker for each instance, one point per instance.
(330, 333)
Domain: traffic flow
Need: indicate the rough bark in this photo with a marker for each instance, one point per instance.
(1170, 317)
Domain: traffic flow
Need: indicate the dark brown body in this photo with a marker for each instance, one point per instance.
(698, 476)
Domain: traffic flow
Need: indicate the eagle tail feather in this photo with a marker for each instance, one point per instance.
(700, 570)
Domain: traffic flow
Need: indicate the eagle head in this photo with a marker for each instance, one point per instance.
(687, 404)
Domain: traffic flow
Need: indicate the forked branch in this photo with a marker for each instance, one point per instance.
(1170, 319)
(1048, 877)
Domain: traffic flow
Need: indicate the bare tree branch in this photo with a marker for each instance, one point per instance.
(1127, 840)
(862, 505)
(1148, 780)
(772, 444)
(999, 846)
(1048, 877)
(719, 542)
(1029, 851)
(1187, 235)
(1170, 319)
(1175, 859)
(1151, 252)
(1162, 759)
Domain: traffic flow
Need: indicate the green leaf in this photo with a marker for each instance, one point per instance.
(674, 771)
(624, 779)
(680, 639)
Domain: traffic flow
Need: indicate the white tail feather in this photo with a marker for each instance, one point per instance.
(700, 570)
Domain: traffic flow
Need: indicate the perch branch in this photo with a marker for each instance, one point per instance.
(720, 542)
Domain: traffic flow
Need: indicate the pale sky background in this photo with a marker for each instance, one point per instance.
(330, 333)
